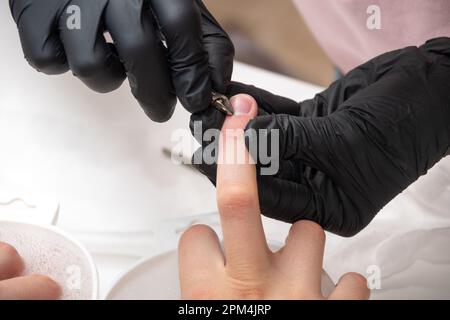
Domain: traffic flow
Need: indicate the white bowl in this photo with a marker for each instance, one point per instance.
(49, 251)
(156, 278)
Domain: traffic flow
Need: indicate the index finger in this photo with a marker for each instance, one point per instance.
(237, 193)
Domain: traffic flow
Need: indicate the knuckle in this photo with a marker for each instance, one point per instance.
(234, 199)
(86, 66)
(251, 294)
(158, 117)
(43, 60)
(247, 290)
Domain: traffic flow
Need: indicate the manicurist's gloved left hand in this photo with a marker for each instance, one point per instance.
(354, 147)
(58, 35)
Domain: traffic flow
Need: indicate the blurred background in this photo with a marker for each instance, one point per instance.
(272, 34)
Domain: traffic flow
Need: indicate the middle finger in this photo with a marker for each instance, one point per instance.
(237, 195)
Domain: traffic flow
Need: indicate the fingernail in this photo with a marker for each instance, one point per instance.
(242, 104)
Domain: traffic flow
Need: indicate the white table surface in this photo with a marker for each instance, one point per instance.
(101, 159)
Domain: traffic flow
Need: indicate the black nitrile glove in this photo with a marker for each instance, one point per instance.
(354, 147)
(199, 57)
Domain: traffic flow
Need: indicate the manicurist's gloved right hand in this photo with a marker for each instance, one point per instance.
(354, 147)
(58, 35)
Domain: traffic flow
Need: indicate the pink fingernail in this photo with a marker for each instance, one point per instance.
(242, 104)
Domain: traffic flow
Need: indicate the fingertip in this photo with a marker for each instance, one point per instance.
(351, 286)
(196, 233)
(245, 109)
(48, 288)
(354, 279)
(160, 112)
(11, 264)
(310, 228)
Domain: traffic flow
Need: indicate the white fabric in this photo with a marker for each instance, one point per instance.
(409, 242)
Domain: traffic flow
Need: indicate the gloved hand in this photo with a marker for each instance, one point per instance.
(198, 58)
(354, 147)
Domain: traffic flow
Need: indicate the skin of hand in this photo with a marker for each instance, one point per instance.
(13, 286)
(58, 35)
(350, 150)
(246, 268)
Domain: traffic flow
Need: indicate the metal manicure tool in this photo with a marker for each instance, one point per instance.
(222, 103)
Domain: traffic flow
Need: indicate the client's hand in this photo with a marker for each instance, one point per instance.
(16, 287)
(246, 268)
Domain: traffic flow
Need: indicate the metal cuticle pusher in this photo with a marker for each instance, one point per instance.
(222, 103)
